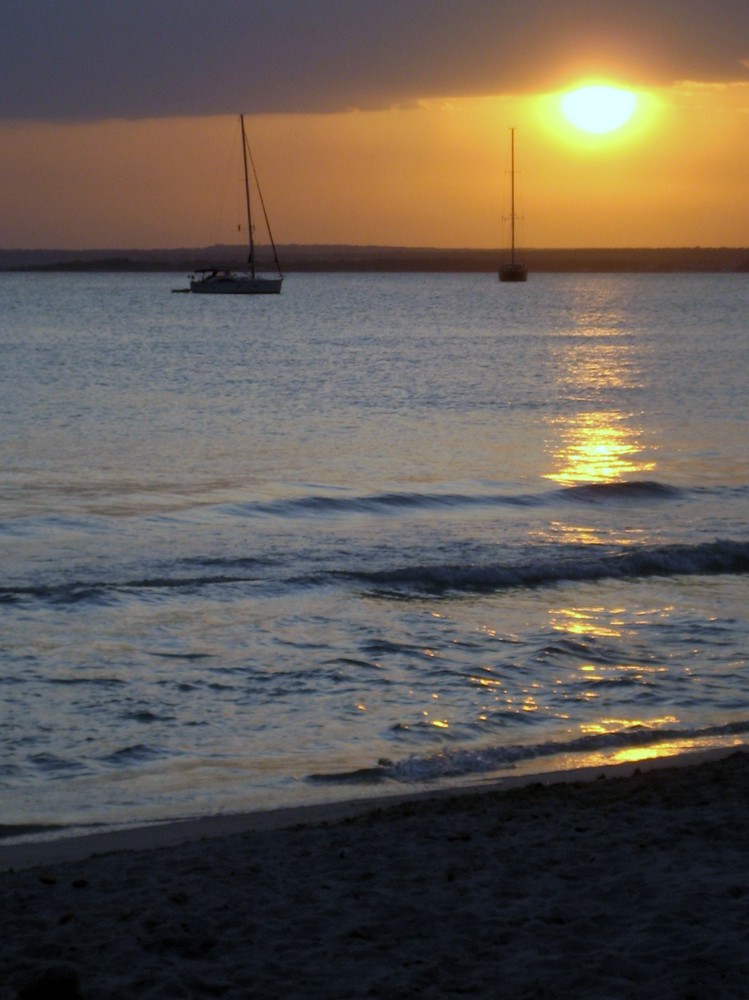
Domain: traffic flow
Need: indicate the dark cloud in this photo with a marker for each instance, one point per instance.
(77, 60)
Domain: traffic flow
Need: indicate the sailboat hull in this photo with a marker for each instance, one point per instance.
(513, 272)
(234, 283)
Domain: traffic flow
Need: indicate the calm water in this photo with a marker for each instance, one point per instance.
(382, 532)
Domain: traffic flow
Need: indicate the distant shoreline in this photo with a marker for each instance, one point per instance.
(327, 258)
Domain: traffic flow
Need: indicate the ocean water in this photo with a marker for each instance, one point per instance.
(381, 533)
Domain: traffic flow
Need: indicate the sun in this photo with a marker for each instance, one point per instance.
(598, 108)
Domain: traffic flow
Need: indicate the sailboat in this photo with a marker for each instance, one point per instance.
(513, 270)
(244, 281)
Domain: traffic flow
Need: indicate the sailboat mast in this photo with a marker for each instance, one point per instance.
(251, 243)
(512, 195)
(513, 270)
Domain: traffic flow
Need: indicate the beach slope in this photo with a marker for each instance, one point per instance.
(613, 887)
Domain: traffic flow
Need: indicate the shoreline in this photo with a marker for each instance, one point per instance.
(631, 885)
(58, 847)
(353, 259)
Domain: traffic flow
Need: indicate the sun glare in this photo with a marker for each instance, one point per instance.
(598, 109)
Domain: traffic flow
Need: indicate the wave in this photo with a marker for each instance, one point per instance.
(106, 592)
(398, 502)
(705, 559)
(343, 504)
(461, 762)
(378, 503)
(543, 569)
(131, 755)
(635, 490)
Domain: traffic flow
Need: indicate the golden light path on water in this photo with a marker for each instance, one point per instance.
(594, 446)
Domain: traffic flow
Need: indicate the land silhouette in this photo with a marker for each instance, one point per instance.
(326, 258)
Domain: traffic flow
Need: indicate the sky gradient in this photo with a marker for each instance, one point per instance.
(378, 123)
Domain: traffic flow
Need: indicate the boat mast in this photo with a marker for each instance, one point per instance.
(513, 270)
(265, 211)
(251, 253)
(512, 195)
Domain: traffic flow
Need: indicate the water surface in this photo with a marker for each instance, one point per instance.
(381, 532)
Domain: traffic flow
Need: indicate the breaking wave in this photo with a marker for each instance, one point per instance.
(709, 558)
(544, 568)
(462, 762)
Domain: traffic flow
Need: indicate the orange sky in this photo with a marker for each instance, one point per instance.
(118, 127)
(433, 175)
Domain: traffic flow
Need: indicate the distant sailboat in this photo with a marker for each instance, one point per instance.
(245, 281)
(513, 270)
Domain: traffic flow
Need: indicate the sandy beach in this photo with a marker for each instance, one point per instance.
(620, 885)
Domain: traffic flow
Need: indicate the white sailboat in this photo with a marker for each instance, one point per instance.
(513, 270)
(244, 281)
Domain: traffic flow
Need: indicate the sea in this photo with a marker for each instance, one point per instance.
(382, 533)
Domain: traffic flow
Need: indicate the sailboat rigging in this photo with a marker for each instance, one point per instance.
(513, 270)
(245, 281)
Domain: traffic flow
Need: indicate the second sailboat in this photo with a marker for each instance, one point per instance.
(513, 270)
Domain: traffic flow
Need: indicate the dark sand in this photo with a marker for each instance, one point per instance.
(612, 887)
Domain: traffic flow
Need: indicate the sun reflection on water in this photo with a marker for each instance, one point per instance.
(596, 366)
(599, 634)
(597, 447)
(583, 621)
(601, 680)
